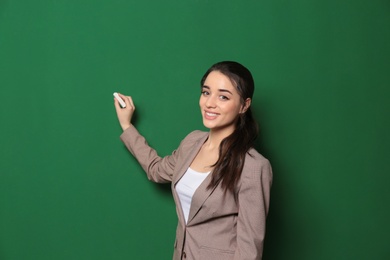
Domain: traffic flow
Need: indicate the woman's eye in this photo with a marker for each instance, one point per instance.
(224, 97)
(205, 93)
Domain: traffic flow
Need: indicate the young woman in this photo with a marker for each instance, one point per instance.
(220, 183)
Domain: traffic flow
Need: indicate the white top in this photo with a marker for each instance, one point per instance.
(186, 188)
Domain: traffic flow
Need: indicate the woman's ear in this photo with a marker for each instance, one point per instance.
(246, 105)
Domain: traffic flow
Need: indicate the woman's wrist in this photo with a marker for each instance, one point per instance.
(125, 126)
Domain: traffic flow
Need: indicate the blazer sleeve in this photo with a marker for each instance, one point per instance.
(253, 200)
(158, 169)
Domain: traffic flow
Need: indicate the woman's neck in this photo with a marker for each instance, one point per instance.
(215, 138)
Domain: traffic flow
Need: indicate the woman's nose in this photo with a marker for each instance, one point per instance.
(210, 102)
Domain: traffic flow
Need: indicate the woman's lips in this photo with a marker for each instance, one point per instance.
(210, 115)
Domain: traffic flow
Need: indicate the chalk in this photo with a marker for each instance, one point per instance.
(120, 100)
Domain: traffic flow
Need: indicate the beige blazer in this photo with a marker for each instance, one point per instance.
(218, 226)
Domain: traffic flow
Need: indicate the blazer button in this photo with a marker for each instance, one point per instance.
(184, 255)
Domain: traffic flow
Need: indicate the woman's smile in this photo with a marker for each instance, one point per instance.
(210, 115)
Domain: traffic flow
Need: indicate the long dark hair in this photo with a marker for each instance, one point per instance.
(233, 149)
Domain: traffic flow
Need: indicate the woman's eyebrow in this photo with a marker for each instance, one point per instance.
(220, 90)
(225, 90)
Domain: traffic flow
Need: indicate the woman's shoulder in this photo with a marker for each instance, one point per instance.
(196, 135)
(253, 156)
(255, 164)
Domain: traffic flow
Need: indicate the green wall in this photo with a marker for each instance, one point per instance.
(70, 190)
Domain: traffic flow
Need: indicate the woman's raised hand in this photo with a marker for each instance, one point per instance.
(124, 114)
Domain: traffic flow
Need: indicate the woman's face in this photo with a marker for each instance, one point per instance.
(220, 103)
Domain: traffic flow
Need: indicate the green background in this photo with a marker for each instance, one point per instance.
(70, 190)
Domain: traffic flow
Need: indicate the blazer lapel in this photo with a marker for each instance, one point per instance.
(200, 196)
(180, 172)
(190, 157)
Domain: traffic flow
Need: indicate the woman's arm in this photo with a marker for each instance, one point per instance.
(158, 169)
(253, 199)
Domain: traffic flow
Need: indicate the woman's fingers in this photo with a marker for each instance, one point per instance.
(130, 100)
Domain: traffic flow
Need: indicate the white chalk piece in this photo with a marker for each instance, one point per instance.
(120, 100)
